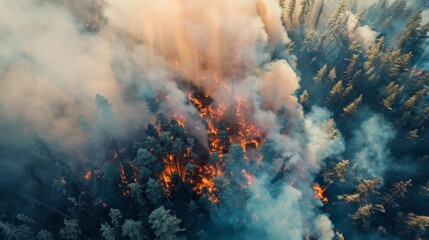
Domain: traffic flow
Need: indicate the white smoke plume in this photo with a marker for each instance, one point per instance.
(364, 34)
(371, 152)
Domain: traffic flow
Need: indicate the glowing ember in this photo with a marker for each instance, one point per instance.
(205, 183)
(87, 175)
(226, 125)
(318, 193)
(248, 177)
(171, 166)
(123, 176)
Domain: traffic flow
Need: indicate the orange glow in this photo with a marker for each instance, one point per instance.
(171, 166)
(318, 193)
(124, 181)
(205, 176)
(87, 175)
(181, 123)
(248, 177)
(238, 127)
(135, 173)
(226, 125)
(123, 176)
(248, 135)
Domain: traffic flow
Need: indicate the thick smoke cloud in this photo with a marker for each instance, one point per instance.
(364, 34)
(50, 72)
(201, 44)
(370, 142)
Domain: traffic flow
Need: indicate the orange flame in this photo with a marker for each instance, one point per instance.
(318, 193)
(239, 128)
(123, 176)
(87, 175)
(171, 166)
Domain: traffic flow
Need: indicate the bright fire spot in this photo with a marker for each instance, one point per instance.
(205, 183)
(171, 166)
(248, 177)
(226, 125)
(318, 193)
(123, 176)
(87, 175)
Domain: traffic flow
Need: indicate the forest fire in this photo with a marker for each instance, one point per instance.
(319, 191)
(232, 126)
(226, 125)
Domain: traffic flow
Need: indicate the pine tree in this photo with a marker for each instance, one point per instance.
(365, 211)
(308, 41)
(354, 48)
(400, 65)
(390, 93)
(351, 67)
(367, 187)
(339, 171)
(103, 110)
(353, 106)
(337, 89)
(348, 89)
(388, 101)
(136, 193)
(152, 103)
(107, 232)
(364, 191)
(133, 229)
(321, 74)
(303, 98)
(116, 217)
(332, 74)
(416, 223)
(69, 183)
(146, 162)
(291, 9)
(411, 102)
(330, 129)
(373, 56)
(165, 225)
(153, 191)
(71, 230)
(339, 236)
(414, 34)
(305, 9)
(398, 190)
(337, 15)
(319, 14)
(44, 235)
(14, 232)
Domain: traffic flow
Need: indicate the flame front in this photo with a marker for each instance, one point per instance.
(226, 125)
(319, 191)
